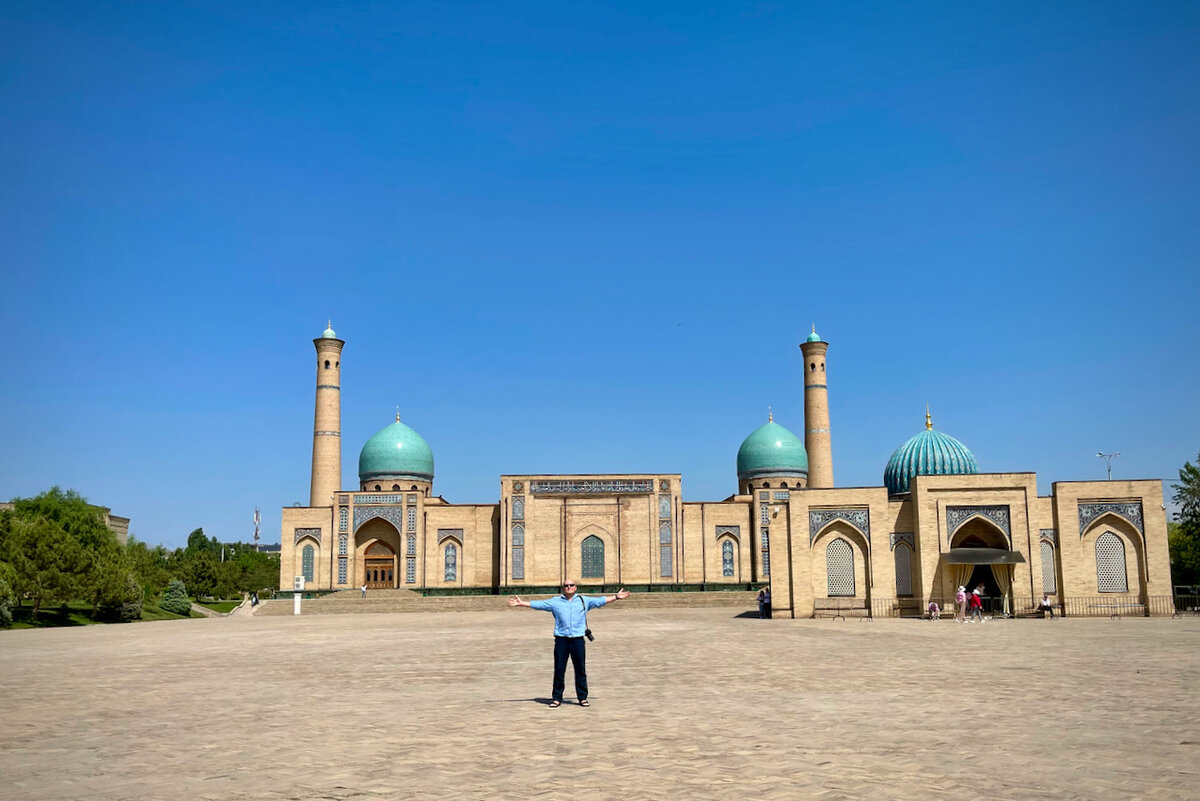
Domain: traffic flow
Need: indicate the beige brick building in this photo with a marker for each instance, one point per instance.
(1097, 547)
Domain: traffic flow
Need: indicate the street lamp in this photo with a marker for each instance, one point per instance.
(1108, 457)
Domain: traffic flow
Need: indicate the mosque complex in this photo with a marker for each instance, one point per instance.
(934, 525)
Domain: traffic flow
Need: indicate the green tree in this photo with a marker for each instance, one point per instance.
(49, 564)
(175, 598)
(1184, 536)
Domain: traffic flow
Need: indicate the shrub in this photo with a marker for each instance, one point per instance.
(7, 599)
(127, 606)
(175, 599)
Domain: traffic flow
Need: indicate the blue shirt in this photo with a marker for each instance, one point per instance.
(570, 618)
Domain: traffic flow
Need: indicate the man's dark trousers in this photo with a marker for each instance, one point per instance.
(573, 647)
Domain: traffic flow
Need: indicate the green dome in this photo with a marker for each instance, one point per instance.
(328, 332)
(771, 450)
(814, 336)
(396, 451)
(930, 453)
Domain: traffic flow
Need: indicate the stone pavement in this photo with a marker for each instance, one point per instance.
(692, 703)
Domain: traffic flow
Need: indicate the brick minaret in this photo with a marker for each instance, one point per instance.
(816, 413)
(327, 420)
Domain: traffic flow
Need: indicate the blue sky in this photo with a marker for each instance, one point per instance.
(573, 237)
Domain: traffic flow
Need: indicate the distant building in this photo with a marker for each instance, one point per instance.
(936, 523)
(116, 524)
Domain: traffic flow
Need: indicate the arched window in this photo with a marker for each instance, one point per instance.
(307, 562)
(395, 488)
(518, 508)
(343, 546)
(327, 364)
(451, 563)
(1110, 564)
(903, 569)
(664, 550)
(839, 568)
(727, 559)
(518, 552)
(1049, 577)
(412, 518)
(591, 558)
(664, 508)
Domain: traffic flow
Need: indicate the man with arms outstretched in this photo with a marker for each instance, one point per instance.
(570, 626)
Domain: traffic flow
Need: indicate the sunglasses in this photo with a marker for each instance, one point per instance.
(568, 585)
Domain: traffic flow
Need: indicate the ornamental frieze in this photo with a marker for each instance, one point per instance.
(1048, 534)
(957, 515)
(1131, 511)
(903, 536)
(819, 518)
(598, 487)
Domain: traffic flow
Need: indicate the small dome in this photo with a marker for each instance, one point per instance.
(396, 451)
(930, 453)
(771, 450)
(328, 333)
(814, 336)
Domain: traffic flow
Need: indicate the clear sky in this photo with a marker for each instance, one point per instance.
(573, 237)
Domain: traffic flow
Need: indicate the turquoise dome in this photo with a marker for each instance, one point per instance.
(930, 453)
(814, 336)
(328, 332)
(771, 450)
(396, 451)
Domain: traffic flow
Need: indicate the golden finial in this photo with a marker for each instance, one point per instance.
(770, 415)
(814, 325)
(397, 414)
(928, 419)
(330, 323)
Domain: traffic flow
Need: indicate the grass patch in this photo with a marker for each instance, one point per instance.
(78, 613)
(224, 607)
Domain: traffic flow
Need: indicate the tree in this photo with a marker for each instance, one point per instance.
(175, 599)
(1184, 536)
(49, 564)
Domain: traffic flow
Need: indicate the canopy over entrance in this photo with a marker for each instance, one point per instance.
(983, 556)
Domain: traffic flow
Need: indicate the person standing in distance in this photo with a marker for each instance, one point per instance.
(570, 625)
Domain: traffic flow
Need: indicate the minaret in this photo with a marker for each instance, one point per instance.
(816, 413)
(327, 420)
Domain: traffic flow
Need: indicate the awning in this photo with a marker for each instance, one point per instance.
(983, 556)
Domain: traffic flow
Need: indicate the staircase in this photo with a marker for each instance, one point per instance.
(351, 602)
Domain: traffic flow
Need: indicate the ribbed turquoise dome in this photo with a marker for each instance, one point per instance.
(771, 450)
(930, 453)
(396, 451)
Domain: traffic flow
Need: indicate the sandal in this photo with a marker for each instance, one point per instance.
(555, 704)
(584, 702)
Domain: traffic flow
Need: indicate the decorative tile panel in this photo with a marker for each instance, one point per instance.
(957, 515)
(301, 533)
(1131, 511)
(735, 531)
(903, 536)
(392, 514)
(783, 496)
(621, 486)
(820, 518)
(450, 533)
(1048, 534)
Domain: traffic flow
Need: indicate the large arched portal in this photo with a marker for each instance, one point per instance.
(981, 558)
(380, 566)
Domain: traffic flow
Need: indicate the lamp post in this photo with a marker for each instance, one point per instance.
(1108, 457)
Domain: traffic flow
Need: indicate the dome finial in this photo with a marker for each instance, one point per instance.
(928, 419)
(770, 415)
(397, 414)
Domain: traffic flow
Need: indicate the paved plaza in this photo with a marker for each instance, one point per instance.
(687, 703)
